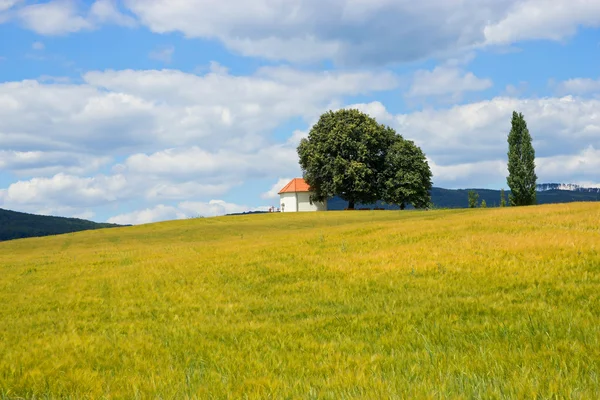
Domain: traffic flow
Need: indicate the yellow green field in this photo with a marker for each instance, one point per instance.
(483, 303)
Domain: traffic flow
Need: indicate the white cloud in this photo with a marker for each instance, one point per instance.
(183, 210)
(60, 17)
(39, 163)
(196, 163)
(7, 9)
(345, 31)
(106, 11)
(580, 168)
(543, 19)
(366, 32)
(65, 190)
(349, 31)
(164, 54)
(157, 213)
(74, 191)
(273, 192)
(578, 86)
(120, 112)
(6, 5)
(478, 131)
(215, 208)
(469, 175)
(53, 18)
(182, 136)
(38, 46)
(444, 80)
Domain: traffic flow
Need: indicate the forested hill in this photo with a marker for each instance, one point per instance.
(459, 198)
(17, 225)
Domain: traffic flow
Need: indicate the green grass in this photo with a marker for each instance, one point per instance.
(484, 303)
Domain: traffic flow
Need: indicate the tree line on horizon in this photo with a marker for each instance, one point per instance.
(350, 155)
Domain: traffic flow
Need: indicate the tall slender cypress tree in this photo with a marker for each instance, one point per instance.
(521, 164)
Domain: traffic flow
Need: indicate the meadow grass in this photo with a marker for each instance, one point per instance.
(484, 303)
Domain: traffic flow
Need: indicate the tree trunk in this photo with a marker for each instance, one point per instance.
(402, 206)
(351, 205)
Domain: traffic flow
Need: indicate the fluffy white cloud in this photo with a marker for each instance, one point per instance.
(53, 18)
(5, 5)
(181, 136)
(157, 213)
(38, 46)
(273, 192)
(106, 11)
(118, 112)
(579, 168)
(183, 210)
(478, 131)
(365, 32)
(578, 86)
(39, 163)
(223, 165)
(60, 17)
(346, 31)
(543, 19)
(74, 191)
(444, 80)
(353, 31)
(7, 9)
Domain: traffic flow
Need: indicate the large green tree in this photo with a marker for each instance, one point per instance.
(350, 155)
(406, 176)
(521, 164)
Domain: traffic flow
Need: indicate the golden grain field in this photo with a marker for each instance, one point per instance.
(482, 303)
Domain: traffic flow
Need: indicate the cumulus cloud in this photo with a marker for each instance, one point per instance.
(54, 18)
(365, 32)
(7, 9)
(578, 86)
(273, 192)
(69, 190)
(119, 112)
(157, 213)
(445, 80)
(554, 20)
(5, 5)
(183, 210)
(180, 136)
(106, 11)
(39, 163)
(60, 17)
(345, 31)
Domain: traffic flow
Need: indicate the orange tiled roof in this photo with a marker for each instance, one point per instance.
(295, 185)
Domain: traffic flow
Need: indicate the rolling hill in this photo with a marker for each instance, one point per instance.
(18, 225)
(470, 303)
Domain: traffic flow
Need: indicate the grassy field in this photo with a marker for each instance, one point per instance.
(483, 303)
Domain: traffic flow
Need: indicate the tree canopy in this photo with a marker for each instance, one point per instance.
(521, 163)
(350, 155)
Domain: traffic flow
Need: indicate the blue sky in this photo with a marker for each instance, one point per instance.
(137, 111)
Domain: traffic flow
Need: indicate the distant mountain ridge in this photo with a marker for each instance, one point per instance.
(18, 225)
(548, 193)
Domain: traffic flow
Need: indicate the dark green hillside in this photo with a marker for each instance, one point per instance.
(458, 198)
(17, 225)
